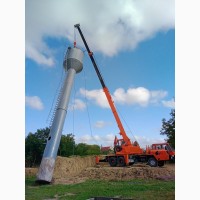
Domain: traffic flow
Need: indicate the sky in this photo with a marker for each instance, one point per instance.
(134, 47)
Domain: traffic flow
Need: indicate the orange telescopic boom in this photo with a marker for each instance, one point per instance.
(105, 89)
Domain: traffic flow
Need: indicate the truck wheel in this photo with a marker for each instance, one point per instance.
(121, 161)
(152, 162)
(112, 161)
(172, 160)
(161, 163)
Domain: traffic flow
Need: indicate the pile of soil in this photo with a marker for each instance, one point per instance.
(68, 167)
(31, 171)
(78, 169)
(127, 173)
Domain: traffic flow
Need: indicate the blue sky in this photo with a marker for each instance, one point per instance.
(135, 51)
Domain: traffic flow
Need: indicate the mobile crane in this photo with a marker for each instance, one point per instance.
(126, 152)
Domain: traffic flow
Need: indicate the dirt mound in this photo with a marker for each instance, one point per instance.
(78, 169)
(68, 167)
(31, 171)
(127, 173)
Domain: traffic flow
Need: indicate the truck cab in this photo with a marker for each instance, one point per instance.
(167, 147)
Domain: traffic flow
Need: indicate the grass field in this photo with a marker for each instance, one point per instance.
(136, 189)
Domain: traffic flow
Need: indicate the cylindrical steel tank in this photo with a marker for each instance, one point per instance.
(73, 59)
(73, 63)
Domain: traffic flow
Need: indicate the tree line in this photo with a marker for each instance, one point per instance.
(35, 143)
(168, 128)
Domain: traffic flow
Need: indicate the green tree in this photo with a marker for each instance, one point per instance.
(168, 128)
(93, 150)
(67, 145)
(34, 146)
(81, 149)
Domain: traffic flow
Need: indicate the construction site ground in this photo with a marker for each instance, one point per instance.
(79, 169)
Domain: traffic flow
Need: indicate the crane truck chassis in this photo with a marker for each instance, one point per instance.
(126, 152)
(154, 156)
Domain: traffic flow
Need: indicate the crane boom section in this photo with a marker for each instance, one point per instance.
(91, 56)
(112, 106)
(105, 89)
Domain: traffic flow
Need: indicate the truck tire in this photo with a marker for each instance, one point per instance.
(113, 161)
(161, 163)
(172, 159)
(121, 161)
(152, 162)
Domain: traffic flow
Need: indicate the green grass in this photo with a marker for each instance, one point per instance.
(136, 189)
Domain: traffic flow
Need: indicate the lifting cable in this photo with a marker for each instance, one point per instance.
(75, 43)
(74, 37)
(126, 123)
(86, 102)
(88, 114)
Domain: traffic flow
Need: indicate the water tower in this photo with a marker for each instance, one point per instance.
(72, 64)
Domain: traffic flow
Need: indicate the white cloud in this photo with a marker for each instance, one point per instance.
(77, 105)
(40, 58)
(143, 141)
(157, 95)
(97, 96)
(133, 96)
(169, 104)
(108, 140)
(34, 102)
(109, 26)
(101, 124)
